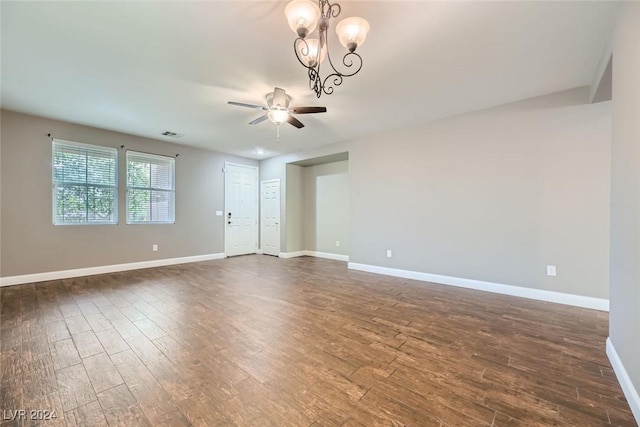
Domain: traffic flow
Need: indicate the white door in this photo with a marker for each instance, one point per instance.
(240, 209)
(270, 217)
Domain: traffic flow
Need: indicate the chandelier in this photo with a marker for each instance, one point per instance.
(303, 17)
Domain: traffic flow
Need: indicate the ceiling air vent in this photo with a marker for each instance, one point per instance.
(172, 134)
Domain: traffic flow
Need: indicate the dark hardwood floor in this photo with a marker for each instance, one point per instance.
(261, 341)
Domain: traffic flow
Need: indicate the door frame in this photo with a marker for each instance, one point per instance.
(279, 212)
(224, 197)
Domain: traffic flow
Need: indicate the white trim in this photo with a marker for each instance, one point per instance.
(65, 274)
(326, 255)
(628, 388)
(292, 254)
(518, 291)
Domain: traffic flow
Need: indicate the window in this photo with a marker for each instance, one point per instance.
(150, 188)
(85, 183)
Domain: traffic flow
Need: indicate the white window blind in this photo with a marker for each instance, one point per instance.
(85, 183)
(150, 188)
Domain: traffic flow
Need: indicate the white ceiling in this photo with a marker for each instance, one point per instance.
(147, 67)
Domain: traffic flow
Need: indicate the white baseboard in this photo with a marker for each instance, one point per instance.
(327, 255)
(260, 251)
(292, 254)
(518, 291)
(89, 271)
(629, 390)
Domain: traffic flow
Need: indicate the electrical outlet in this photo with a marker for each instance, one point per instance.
(337, 242)
(155, 248)
(389, 253)
(551, 270)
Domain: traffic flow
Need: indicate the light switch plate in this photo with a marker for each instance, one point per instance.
(218, 213)
(551, 270)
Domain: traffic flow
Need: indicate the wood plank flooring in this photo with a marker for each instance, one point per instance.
(261, 341)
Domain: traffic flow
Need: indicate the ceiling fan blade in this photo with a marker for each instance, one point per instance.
(258, 120)
(308, 110)
(295, 122)
(242, 104)
(280, 98)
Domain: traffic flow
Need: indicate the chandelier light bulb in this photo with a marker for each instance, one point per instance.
(302, 16)
(352, 32)
(278, 116)
(314, 55)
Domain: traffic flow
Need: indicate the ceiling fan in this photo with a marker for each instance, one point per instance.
(278, 111)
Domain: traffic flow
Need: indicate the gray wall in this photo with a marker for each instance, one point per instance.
(326, 207)
(30, 242)
(294, 212)
(625, 192)
(493, 195)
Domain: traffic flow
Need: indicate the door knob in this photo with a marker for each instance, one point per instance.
(229, 222)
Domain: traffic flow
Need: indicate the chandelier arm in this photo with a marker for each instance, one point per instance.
(348, 62)
(328, 88)
(338, 77)
(304, 49)
(329, 10)
(315, 83)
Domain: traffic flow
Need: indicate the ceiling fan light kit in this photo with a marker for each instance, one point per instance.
(303, 16)
(278, 116)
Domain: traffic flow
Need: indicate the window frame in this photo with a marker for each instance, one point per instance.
(55, 185)
(172, 192)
